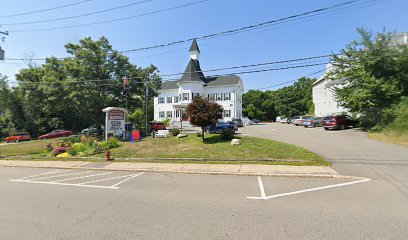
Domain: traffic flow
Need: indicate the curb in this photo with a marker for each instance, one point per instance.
(257, 174)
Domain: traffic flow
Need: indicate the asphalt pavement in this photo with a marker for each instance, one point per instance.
(74, 204)
(100, 204)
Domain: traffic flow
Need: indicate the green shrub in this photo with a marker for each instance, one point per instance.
(175, 131)
(72, 152)
(112, 143)
(399, 113)
(167, 122)
(227, 134)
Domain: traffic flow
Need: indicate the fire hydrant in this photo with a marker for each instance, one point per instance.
(107, 155)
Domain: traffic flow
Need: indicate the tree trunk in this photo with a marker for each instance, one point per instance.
(202, 133)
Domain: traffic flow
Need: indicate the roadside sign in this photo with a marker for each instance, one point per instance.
(115, 121)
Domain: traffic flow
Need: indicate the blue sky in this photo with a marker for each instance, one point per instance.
(319, 36)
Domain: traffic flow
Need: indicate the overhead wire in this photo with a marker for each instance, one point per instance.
(45, 10)
(78, 16)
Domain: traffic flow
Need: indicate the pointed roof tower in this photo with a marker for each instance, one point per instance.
(194, 46)
(193, 73)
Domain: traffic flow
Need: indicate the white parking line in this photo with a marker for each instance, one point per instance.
(63, 175)
(100, 180)
(55, 171)
(93, 175)
(264, 197)
(30, 179)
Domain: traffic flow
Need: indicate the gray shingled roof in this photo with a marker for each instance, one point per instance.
(194, 46)
(193, 72)
(210, 81)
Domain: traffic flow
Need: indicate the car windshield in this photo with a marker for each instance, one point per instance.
(328, 118)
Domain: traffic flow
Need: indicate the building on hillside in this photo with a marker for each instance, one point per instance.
(174, 96)
(323, 96)
(323, 88)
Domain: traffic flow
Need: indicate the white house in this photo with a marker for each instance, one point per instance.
(323, 89)
(174, 96)
(323, 96)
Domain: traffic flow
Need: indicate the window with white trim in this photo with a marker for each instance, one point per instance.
(176, 99)
(227, 113)
(186, 96)
(169, 100)
(169, 114)
(161, 100)
(162, 114)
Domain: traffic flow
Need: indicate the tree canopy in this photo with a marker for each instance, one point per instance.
(71, 92)
(287, 101)
(374, 74)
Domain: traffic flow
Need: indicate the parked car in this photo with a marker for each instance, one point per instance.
(155, 126)
(298, 120)
(24, 136)
(247, 121)
(90, 130)
(56, 134)
(312, 122)
(233, 125)
(256, 120)
(238, 122)
(338, 122)
(286, 120)
(219, 127)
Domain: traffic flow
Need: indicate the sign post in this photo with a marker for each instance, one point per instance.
(115, 121)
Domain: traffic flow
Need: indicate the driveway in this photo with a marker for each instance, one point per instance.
(350, 151)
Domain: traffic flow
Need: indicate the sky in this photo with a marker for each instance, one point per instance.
(320, 35)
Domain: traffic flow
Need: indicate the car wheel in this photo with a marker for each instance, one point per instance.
(17, 141)
(305, 126)
(316, 125)
(342, 127)
(326, 129)
(7, 141)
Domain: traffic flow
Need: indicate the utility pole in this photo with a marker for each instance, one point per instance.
(147, 93)
(2, 39)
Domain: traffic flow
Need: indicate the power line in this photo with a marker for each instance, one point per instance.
(78, 16)
(111, 20)
(242, 28)
(217, 75)
(45, 10)
(229, 32)
(219, 69)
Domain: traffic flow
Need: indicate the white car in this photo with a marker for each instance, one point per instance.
(283, 120)
(246, 121)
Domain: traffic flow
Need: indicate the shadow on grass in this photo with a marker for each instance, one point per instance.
(214, 139)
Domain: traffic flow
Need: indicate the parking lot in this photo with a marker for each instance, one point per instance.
(59, 204)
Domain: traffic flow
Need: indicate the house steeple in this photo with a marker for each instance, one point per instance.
(194, 51)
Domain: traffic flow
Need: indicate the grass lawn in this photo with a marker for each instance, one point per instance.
(36, 147)
(390, 137)
(215, 150)
(186, 150)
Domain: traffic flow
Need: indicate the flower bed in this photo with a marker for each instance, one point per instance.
(81, 146)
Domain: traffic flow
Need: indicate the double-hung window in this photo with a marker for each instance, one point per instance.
(162, 114)
(176, 99)
(186, 97)
(169, 100)
(161, 100)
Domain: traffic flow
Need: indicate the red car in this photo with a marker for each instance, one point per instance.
(24, 136)
(338, 122)
(56, 134)
(155, 126)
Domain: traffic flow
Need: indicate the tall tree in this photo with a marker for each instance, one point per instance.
(72, 91)
(373, 74)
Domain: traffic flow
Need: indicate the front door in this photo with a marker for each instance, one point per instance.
(184, 116)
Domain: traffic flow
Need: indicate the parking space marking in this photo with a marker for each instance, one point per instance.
(55, 176)
(264, 197)
(63, 182)
(40, 174)
(93, 175)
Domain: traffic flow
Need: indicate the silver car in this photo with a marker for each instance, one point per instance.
(312, 122)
